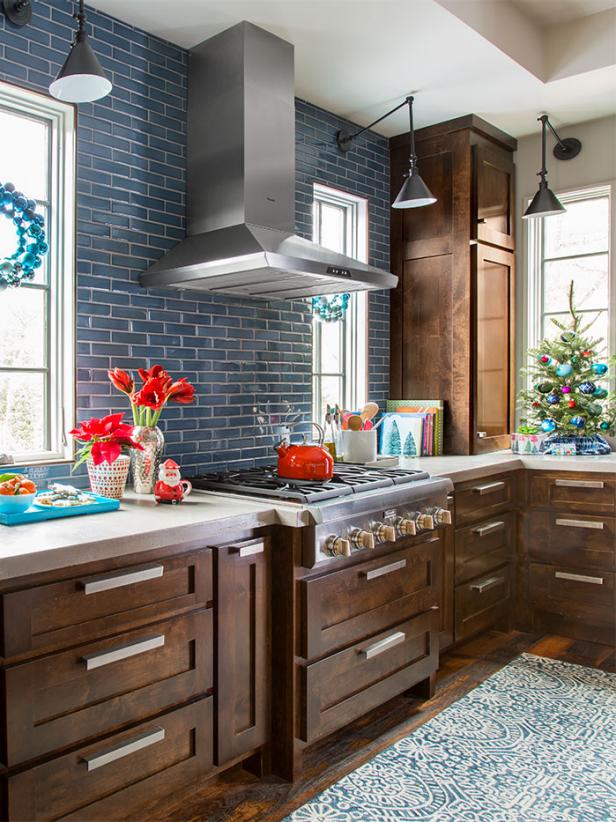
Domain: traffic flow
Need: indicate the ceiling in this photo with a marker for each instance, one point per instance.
(357, 58)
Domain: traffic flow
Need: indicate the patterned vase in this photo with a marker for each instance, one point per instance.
(144, 464)
(109, 480)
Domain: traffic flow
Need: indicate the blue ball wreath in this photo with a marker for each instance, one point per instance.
(31, 242)
(330, 309)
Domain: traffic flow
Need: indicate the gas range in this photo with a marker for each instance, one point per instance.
(359, 509)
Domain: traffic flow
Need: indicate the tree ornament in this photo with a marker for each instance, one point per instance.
(575, 359)
(594, 409)
(599, 368)
(536, 404)
(545, 359)
(587, 387)
(544, 387)
(567, 336)
(605, 426)
(553, 399)
(564, 369)
(600, 393)
(587, 353)
(31, 245)
(571, 403)
(578, 422)
(331, 308)
(548, 426)
(566, 389)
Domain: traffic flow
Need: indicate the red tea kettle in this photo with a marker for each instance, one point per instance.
(305, 461)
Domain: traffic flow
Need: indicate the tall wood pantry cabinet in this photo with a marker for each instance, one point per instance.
(452, 314)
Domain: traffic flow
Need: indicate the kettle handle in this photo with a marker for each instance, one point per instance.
(321, 432)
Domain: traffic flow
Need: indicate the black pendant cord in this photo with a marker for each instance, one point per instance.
(544, 141)
(413, 155)
(80, 16)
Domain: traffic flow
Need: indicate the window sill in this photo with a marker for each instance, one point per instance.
(36, 463)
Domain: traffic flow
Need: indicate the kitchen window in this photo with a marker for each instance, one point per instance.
(574, 245)
(340, 355)
(37, 319)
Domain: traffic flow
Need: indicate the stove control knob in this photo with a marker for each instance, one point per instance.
(406, 527)
(424, 521)
(337, 547)
(384, 532)
(361, 539)
(442, 516)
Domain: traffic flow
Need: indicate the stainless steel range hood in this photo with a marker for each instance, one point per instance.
(241, 181)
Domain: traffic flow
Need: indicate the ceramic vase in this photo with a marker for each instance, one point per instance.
(109, 480)
(144, 464)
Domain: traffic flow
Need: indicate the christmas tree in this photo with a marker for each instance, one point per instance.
(409, 449)
(567, 397)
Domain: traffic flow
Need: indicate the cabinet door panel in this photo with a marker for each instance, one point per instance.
(494, 196)
(243, 653)
(494, 282)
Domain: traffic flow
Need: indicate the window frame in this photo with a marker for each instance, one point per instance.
(354, 373)
(535, 262)
(61, 265)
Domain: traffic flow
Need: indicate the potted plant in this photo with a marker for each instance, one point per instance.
(105, 447)
(147, 404)
(528, 439)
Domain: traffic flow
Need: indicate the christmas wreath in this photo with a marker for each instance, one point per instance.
(30, 233)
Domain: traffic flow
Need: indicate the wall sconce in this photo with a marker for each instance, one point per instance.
(545, 203)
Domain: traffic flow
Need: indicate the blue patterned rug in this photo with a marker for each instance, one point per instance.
(536, 742)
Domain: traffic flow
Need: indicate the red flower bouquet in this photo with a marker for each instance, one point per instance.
(157, 389)
(103, 439)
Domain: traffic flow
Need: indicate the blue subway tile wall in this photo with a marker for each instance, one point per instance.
(131, 182)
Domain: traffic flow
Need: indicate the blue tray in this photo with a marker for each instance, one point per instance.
(35, 514)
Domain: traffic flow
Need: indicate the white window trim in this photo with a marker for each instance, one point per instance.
(355, 372)
(61, 233)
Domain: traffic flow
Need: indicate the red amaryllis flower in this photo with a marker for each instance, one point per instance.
(181, 391)
(154, 371)
(121, 380)
(153, 393)
(103, 439)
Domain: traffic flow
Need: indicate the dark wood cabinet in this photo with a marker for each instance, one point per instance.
(452, 312)
(243, 648)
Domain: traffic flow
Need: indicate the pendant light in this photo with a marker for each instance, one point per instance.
(545, 203)
(81, 78)
(414, 192)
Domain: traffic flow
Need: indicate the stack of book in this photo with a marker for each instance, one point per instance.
(412, 428)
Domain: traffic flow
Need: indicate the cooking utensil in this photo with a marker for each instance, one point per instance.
(305, 461)
(370, 410)
(355, 422)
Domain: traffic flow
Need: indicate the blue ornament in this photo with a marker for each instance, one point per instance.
(587, 387)
(553, 399)
(564, 369)
(604, 425)
(548, 426)
(329, 309)
(599, 368)
(30, 246)
(600, 393)
(567, 336)
(578, 422)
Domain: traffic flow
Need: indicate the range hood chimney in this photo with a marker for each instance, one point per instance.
(241, 181)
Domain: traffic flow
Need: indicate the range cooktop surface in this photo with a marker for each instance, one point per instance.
(265, 482)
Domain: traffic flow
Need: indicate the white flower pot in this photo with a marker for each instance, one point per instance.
(109, 480)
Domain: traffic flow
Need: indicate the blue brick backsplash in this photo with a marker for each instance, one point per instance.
(131, 183)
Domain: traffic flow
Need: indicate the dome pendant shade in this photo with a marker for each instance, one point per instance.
(414, 192)
(544, 204)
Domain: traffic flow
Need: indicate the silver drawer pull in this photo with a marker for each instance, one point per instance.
(97, 660)
(480, 587)
(137, 743)
(581, 523)
(95, 586)
(250, 549)
(488, 529)
(578, 577)
(385, 569)
(579, 483)
(383, 645)
(489, 488)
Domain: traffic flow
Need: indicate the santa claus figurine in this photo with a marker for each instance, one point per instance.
(171, 488)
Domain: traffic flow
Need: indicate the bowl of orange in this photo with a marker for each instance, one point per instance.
(17, 493)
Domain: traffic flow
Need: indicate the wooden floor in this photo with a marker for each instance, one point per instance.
(239, 797)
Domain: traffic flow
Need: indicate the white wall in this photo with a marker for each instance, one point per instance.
(595, 165)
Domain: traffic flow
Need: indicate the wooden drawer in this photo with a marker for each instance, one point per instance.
(482, 499)
(347, 684)
(586, 494)
(572, 539)
(585, 595)
(87, 607)
(481, 603)
(114, 778)
(348, 605)
(482, 547)
(62, 699)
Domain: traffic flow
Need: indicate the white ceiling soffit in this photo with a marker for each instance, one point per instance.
(358, 58)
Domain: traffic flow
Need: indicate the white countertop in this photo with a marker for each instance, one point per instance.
(141, 525)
